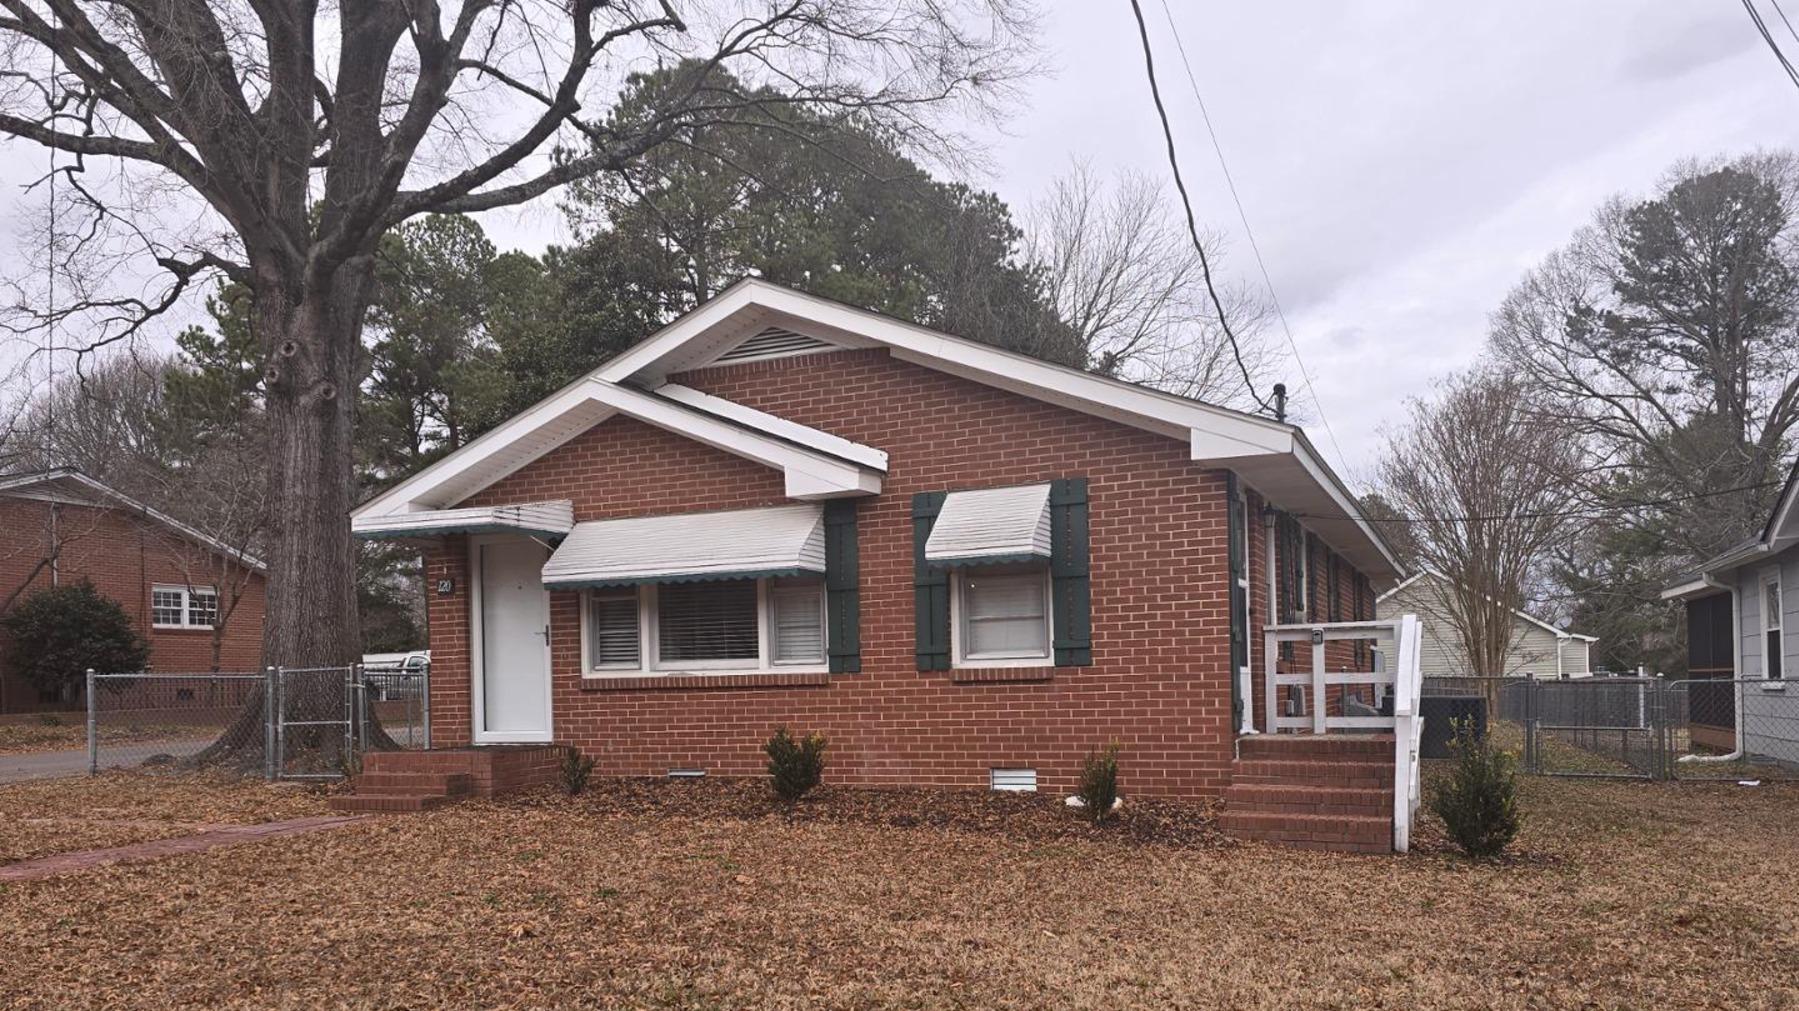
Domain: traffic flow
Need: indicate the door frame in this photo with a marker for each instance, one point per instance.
(478, 655)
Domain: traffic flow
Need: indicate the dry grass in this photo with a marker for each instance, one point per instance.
(42, 817)
(1625, 895)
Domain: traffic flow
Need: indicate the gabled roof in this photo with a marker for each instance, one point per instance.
(1559, 633)
(1274, 458)
(76, 485)
(812, 472)
(1780, 532)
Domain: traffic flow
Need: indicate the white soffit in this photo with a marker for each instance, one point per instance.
(742, 543)
(549, 519)
(810, 474)
(990, 526)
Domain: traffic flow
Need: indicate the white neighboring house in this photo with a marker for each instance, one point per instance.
(1539, 649)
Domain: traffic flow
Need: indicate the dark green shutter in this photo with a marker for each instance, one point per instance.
(930, 587)
(843, 595)
(1070, 590)
(1239, 580)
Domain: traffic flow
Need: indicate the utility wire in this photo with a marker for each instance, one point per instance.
(1768, 37)
(1205, 265)
(1597, 512)
(1254, 247)
(1783, 20)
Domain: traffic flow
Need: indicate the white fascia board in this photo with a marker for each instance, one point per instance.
(1704, 586)
(1212, 445)
(809, 475)
(730, 410)
(1327, 479)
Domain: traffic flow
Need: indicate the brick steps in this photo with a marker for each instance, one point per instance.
(1316, 792)
(401, 781)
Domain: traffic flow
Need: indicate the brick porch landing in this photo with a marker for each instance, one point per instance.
(421, 780)
(1332, 792)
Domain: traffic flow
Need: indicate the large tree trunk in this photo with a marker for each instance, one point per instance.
(310, 337)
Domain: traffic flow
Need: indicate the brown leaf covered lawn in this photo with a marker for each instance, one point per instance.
(42, 817)
(1624, 895)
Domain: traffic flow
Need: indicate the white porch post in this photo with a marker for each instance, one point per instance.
(1269, 690)
(1317, 680)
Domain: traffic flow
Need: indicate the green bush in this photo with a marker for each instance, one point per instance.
(576, 770)
(795, 767)
(1099, 783)
(56, 634)
(1479, 801)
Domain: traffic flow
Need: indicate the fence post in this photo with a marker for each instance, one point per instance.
(93, 726)
(271, 722)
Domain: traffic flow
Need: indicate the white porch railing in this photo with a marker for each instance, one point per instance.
(1309, 703)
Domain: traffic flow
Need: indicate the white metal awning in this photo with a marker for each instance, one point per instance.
(777, 541)
(547, 519)
(990, 526)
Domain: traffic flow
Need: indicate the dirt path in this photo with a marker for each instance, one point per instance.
(221, 835)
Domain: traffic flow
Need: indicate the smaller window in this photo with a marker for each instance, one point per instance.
(796, 617)
(1004, 613)
(184, 606)
(614, 643)
(1773, 642)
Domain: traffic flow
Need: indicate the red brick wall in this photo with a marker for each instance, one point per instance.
(1160, 682)
(122, 555)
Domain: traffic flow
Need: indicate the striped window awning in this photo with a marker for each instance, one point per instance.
(991, 526)
(544, 519)
(739, 544)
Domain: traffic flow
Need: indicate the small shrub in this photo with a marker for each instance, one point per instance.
(576, 770)
(795, 767)
(56, 634)
(1479, 801)
(1099, 783)
(49, 720)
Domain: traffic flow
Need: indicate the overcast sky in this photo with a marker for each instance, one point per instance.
(1401, 161)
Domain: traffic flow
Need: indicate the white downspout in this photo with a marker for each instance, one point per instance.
(1736, 670)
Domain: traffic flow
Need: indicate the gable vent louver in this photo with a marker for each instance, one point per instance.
(774, 342)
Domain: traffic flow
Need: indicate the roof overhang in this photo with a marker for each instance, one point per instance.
(544, 519)
(1273, 457)
(70, 485)
(809, 473)
(1694, 588)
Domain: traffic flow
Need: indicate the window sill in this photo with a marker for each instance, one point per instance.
(181, 628)
(1773, 685)
(1000, 675)
(684, 680)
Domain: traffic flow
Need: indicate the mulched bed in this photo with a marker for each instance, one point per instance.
(1023, 816)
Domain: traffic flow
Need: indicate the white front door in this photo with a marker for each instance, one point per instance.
(512, 649)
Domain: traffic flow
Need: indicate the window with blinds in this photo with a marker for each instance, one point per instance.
(1005, 613)
(796, 618)
(613, 642)
(711, 623)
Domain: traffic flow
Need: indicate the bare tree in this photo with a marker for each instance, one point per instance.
(1484, 487)
(274, 142)
(1666, 335)
(1122, 273)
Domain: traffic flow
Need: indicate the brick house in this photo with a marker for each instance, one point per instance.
(966, 567)
(189, 594)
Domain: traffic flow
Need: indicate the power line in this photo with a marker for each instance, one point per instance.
(1784, 21)
(1768, 37)
(1205, 266)
(1596, 513)
(1254, 247)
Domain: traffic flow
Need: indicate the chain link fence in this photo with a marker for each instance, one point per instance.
(280, 723)
(1631, 727)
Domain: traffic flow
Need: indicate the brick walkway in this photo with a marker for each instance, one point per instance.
(224, 835)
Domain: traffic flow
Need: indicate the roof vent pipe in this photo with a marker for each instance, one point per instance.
(1280, 401)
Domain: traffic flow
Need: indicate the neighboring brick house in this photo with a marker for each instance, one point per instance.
(966, 567)
(61, 526)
